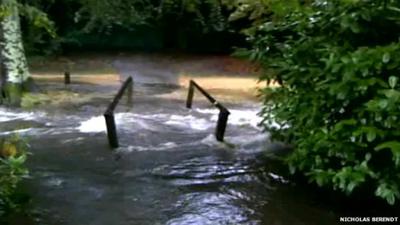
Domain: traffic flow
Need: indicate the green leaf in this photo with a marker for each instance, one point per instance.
(371, 135)
(393, 81)
(392, 145)
(383, 104)
(350, 187)
(345, 59)
(355, 28)
(392, 94)
(386, 57)
(387, 192)
(368, 156)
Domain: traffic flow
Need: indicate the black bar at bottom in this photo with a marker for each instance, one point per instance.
(190, 95)
(111, 130)
(221, 125)
(67, 78)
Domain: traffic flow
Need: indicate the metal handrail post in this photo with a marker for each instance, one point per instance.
(221, 125)
(111, 130)
(67, 78)
(189, 100)
(130, 93)
(223, 112)
(109, 113)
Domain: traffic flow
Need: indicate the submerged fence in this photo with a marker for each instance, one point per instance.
(128, 85)
(109, 113)
(223, 112)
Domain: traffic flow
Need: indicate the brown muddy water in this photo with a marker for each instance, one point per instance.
(169, 168)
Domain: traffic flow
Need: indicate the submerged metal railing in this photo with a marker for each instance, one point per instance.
(223, 112)
(109, 113)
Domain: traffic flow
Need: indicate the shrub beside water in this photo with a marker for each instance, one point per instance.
(12, 171)
(339, 102)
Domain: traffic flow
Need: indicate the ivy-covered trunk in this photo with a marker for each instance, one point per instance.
(14, 68)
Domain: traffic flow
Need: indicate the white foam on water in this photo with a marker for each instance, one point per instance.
(6, 115)
(210, 140)
(278, 178)
(40, 131)
(237, 117)
(189, 121)
(245, 143)
(73, 140)
(55, 131)
(93, 125)
(180, 121)
(161, 147)
(248, 139)
(97, 124)
(55, 182)
(241, 117)
(21, 131)
(244, 118)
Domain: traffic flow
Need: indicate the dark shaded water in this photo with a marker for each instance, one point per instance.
(169, 169)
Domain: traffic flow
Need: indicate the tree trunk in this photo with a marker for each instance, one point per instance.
(14, 67)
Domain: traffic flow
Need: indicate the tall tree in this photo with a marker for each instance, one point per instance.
(14, 65)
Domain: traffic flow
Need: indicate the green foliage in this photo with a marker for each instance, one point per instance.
(338, 64)
(103, 15)
(87, 23)
(34, 15)
(37, 18)
(3, 11)
(12, 171)
(34, 20)
(259, 11)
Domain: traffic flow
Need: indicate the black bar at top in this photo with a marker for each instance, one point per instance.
(121, 91)
(209, 97)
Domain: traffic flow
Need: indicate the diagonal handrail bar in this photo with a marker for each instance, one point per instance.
(223, 111)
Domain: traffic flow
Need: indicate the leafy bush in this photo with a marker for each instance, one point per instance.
(12, 170)
(338, 63)
(114, 25)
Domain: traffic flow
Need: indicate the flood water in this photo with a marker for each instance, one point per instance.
(168, 170)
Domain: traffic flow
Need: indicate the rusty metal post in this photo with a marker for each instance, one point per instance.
(221, 124)
(190, 95)
(130, 93)
(111, 130)
(223, 112)
(109, 113)
(67, 78)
